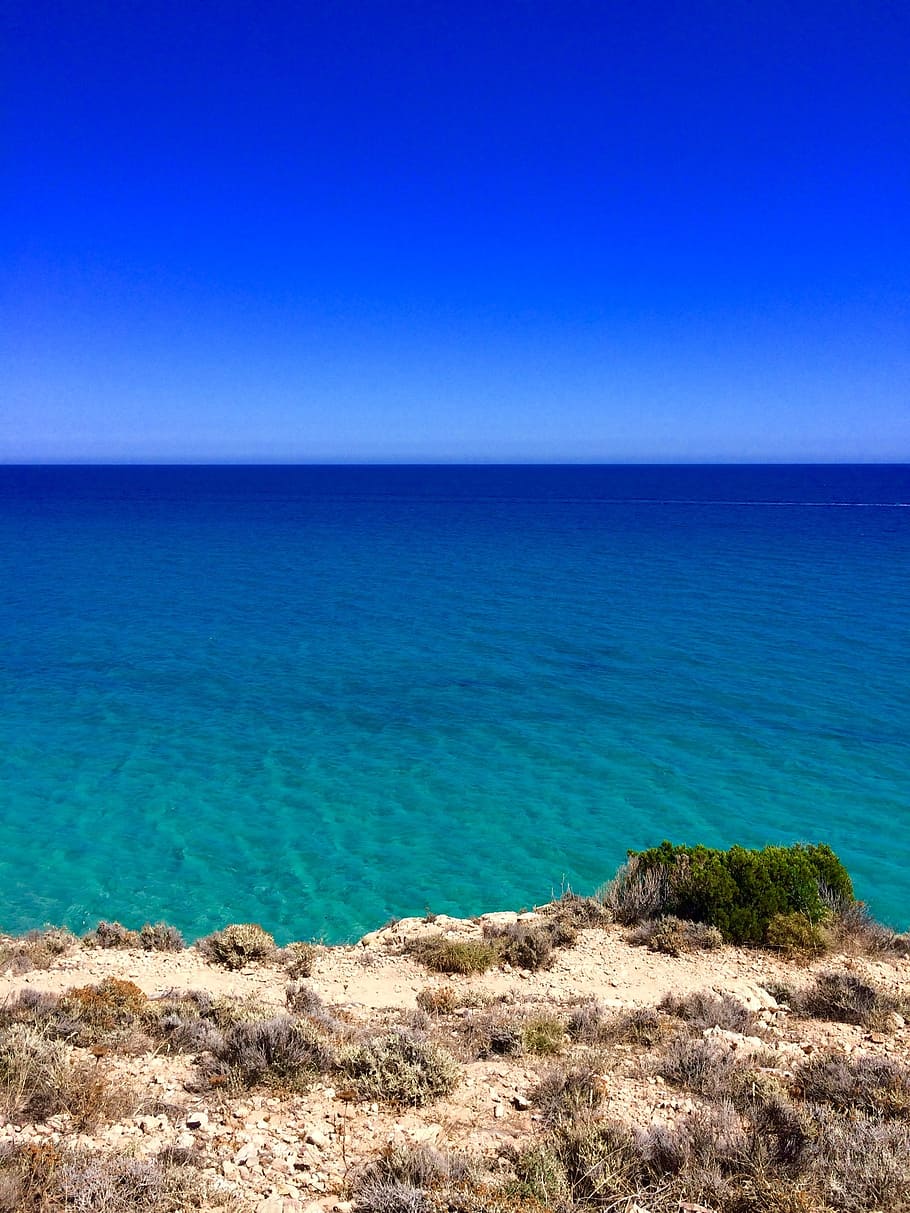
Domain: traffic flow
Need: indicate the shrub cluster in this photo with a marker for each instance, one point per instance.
(738, 891)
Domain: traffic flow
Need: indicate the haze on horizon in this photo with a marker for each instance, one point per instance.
(439, 232)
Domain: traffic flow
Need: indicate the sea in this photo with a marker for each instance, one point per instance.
(321, 697)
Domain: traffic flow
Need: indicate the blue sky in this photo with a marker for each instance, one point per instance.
(421, 231)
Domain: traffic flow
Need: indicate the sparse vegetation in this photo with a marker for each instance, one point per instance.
(237, 945)
(753, 1126)
(35, 950)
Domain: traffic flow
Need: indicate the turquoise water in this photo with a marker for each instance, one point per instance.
(319, 697)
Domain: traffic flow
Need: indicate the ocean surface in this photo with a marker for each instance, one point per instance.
(317, 697)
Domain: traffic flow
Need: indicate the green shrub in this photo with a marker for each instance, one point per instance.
(796, 935)
(237, 945)
(544, 1035)
(454, 955)
(740, 891)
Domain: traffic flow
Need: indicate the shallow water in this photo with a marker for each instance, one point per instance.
(318, 697)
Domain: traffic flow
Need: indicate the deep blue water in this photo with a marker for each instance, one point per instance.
(317, 697)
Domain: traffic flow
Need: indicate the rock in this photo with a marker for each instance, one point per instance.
(246, 1155)
(521, 1102)
(197, 1119)
(499, 1111)
(315, 1138)
(271, 1204)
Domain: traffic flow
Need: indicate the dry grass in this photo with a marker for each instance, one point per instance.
(40, 1077)
(464, 956)
(875, 1085)
(531, 944)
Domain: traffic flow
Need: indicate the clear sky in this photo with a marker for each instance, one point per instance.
(428, 230)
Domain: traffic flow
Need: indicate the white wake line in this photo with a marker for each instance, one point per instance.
(819, 505)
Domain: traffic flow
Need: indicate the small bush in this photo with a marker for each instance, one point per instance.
(400, 1068)
(702, 1065)
(707, 1010)
(303, 999)
(298, 959)
(112, 1003)
(871, 1084)
(495, 1032)
(237, 945)
(111, 935)
(567, 1093)
(281, 1052)
(418, 1167)
(544, 1034)
(463, 956)
(161, 937)
(845, 998)
(530, 944)
(437, 1000)
(675, 936)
